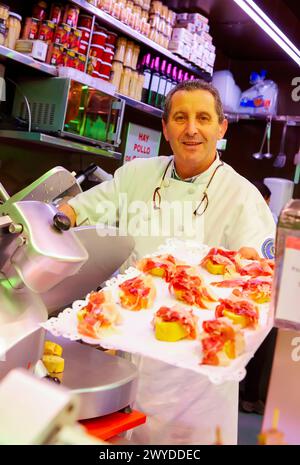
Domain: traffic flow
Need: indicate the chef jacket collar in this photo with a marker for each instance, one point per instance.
(201, 178)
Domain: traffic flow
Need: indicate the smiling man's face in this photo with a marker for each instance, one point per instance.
(193, 130)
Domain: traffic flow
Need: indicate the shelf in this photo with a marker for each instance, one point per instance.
(118, 25)
(141, 106)
(27, 60)
(59, 143)
(289, 119)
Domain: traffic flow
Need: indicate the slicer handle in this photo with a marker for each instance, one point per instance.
(61, 222)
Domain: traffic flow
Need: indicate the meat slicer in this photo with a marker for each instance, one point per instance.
(45, 266)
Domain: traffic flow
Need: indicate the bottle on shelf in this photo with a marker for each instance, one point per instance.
(174, 76)
(180, 76)
(169, 80)
(155, 63)
(146, 71)
(160, 96)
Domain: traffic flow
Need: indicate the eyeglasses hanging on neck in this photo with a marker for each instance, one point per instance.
(203, 204)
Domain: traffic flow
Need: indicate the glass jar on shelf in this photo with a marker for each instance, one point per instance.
(121, 48)
(14, 30)
(135, 56)
(3, 32)
(116, 74)
(129, 54)
(4, 12)
(39, 11)
(125, 81)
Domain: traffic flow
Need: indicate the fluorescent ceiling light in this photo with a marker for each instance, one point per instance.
(273, 25)
(265, 24)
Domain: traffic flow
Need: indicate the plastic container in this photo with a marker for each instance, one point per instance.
(225, 84)
(281, 192)
(261, 98)
(105, 69)
(108, 55)
(111, 38)
(97, 51)
(83, 47)
(86, 33)
(99, 38)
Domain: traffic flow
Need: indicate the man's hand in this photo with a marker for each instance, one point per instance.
(249, 253)
(69, 212)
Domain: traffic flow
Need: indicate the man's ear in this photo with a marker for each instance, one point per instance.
(165, 132)
(223, 128)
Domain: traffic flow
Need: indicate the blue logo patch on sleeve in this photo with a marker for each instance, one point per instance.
(268, 248)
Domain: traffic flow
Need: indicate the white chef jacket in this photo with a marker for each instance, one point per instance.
(183, 407)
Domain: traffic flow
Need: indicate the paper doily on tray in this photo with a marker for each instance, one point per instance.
(136, 335)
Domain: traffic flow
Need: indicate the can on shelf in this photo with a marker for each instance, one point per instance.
(56, 13)
(31, 29)
(80, 62)
(39, 11)
(85, 33)
(71, 15)
(70, 59)
(56, 56)
(97, 51)
(85, 21)
(75, 39)
(99, 38)
(62, 34)
(46, 31)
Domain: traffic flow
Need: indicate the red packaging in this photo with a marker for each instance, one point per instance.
(74, 39)
(31, 29)
(39, 11)
(111, 38)
(103, 76)
(70, 59)
(85, 21)
(98, 28)
(105, 69)
(85, 34)
(95, 74)
(83, 47)
(71, 15)
(62, 34)
(99, 38)
(97, 51)
(56, 13)
(57, 55)
(108, 55)
(92, 65)
(46, 31)
(81, 60)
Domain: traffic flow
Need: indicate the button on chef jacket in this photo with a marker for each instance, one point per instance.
(183, 407)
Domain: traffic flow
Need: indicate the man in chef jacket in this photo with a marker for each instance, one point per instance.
(190, 195)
